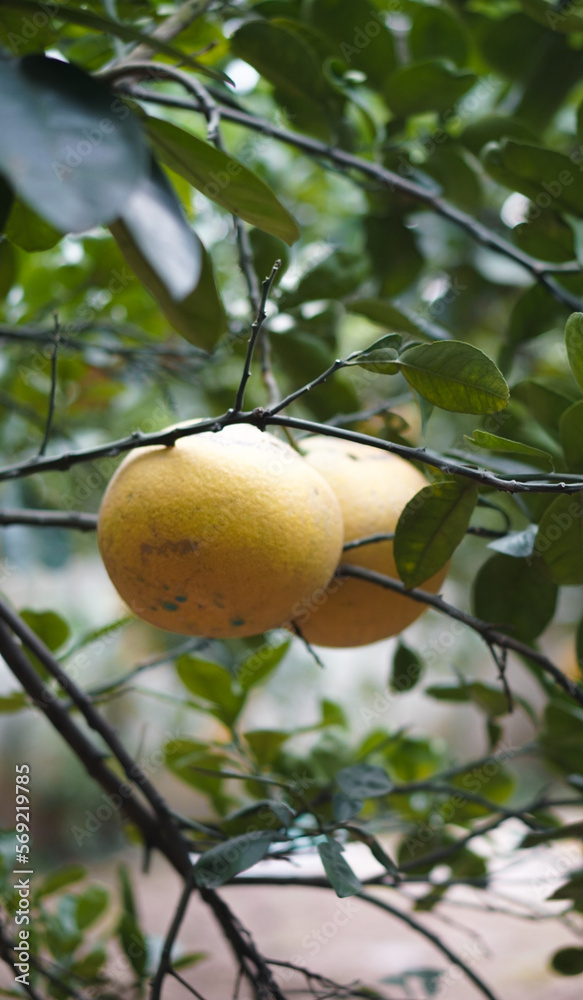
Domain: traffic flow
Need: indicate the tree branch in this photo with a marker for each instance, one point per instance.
(491, 635)
(165, 964)
(481, 234)
(255, 332)
(48, 519)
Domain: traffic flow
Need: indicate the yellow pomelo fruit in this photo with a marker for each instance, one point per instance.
(221, 535)
(372, 487)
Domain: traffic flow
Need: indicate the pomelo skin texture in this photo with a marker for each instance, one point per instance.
(222, 535)
(372, 487)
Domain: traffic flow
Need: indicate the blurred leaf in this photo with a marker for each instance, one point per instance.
(431, 527)
(257, 667)
(60, 878)
(268, 814)
(8, 268)
(566, 832)
(533, 169)
(543, 402)
(493, 128)
(384, 313)
(266, 250)
(560, 539)
(55, 149)
(573, 889)
(571, 430)
(359, 31)
(407, 668)
(534, 313)
(546, 235)
(436, 33)
(364, 781)
(515, 595)
(222, 179)
(546, 13)
(48, 626)
(28, 231)
(14, 702)
(345, 808)
(265, 743)
(335, 277)
(396, 258)
(90, 905)
(493, 442)
(430, 85)
(574, 345)
(568, 961)
(222, 863)
(88, 967)
(339, 873)
(455, 376)
(212, 682)
(189, 959)
(332, 714)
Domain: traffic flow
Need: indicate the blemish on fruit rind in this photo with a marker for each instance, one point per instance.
(237, 621)
(179, 597)
(169, 606)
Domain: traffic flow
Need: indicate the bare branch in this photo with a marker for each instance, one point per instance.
(48, 519)
(255, 331)
(165, 964)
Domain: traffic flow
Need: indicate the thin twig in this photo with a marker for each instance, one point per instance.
(53, 392)
(491, 636)
(165, 963)
(481, 234)
(255, 331)
(48, 519)
(187, 986)
(308, 645)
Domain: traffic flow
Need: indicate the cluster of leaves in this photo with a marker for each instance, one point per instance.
(416, 139)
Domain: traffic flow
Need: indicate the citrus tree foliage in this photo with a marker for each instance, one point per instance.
(416, 170)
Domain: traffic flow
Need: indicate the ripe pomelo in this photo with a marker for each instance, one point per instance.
(220, 535)
(372, 487)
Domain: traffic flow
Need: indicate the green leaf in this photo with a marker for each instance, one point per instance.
(394, 251)
(60, 878)
(492, 128)
(560, 539)
(364, 781)
(88, 19)
(573, 889)
(532, 170)
(549, 14)
(89, 967)
(90, 905)
(435, 33)
(430, 528)
(429, 85)
(515, 595)
(339, 873)
(133, 944)
(570, 830)
(363, 40)
(267, 814)
(543, 402)
(154, 219)
(257, 667)
(546, 235)
(574, 345)
(222, 863)
(48, 625)
(74, 170)
(344, 808)
(332, 714)
(448, 692)
(571, 431)
(455, 376)
(534, 313)
(518, 544)
(8, 268)
(200, 317)
(266, 250)
(568, 961)
(265, 743)
(25, 229)
(222, 179)
(493, 442)
(384, 313)
(406, 670)
(189, 959)
(212, 682)
(13, 702)
(334, 278)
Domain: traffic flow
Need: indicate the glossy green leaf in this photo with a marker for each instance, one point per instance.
(56, 149)
(364, 781)
(380, 357)
(518, 544)
(429, 85)
(222, 179)
(493, 442)
(222, 863)
(455, 376)
(568, 961)
(200, 317)
(560, 539)
(430, 528)
(515, 595)
(543, 175)
(340, 874)
(574, 345)
(571, 431)
(407, 668)
(213, 683)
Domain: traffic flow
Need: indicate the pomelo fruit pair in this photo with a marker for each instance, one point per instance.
(233, 533)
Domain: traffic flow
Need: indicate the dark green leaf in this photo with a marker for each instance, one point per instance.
(364, 781)
(571, 430)
(564, 18)
(546, 235)
(536, 171)
(435, 33)
(492, 128)
(362, 39)
(515, 596)
(573, 889)
(518, 544)
(222, 179)
(200, 317)
(28, 231)
(8, 268)
(60, 878)
(574, 345)
(568, 961)
(90, 905)
(560, 539)
(134, 944)
(534, 313)
(266, 250)
(455, 376)
(88, 967)
(384, 313)
(395, 255)
(344, 808)
(212, 682)
(55, 149)
(448, 692)
(493, 442)
(430, 85)
(430, 528)
(566, 832)
(221, 863)
(265, 743)
(542, 401)
(267, 814)
(335, 277)
(406, 670)
(340, 874)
